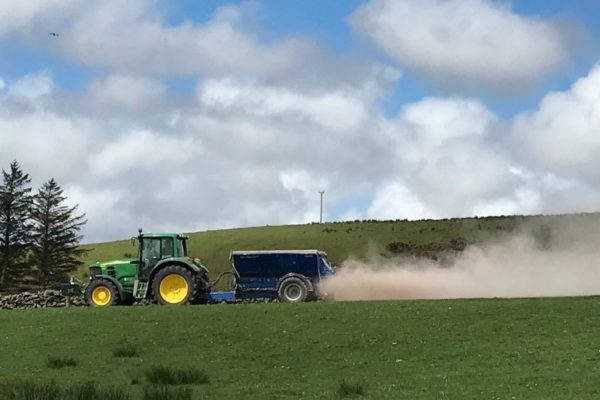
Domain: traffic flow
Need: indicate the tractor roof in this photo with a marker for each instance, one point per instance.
(252, 252)
(164, 234)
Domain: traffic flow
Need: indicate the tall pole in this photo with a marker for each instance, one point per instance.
(321, 217)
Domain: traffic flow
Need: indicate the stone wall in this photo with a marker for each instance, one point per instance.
(41, 299)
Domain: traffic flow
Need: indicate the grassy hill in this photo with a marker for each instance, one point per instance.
(450, 349)
(353, 239)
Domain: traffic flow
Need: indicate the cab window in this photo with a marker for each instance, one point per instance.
(166, 248)
(156, 249)
(151, 249)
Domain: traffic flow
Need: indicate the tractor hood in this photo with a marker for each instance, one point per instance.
(114, 263)
(124, 266)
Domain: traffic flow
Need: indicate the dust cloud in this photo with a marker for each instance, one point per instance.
(517, 267)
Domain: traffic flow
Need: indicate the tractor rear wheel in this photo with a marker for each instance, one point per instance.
(173, 285)
(292, 290)
(101, 293)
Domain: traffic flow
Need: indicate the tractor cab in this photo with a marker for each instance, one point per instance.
(156, 247)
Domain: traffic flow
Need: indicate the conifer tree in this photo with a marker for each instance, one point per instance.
(15, 226)
(56, 235)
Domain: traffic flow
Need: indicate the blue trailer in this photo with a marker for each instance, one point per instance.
(287, 275)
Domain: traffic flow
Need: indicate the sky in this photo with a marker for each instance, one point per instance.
(187, 116)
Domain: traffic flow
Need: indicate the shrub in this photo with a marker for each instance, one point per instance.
(89, 391)
(60, 362)
(398, 247)
(174, 376)
(543, 237)
(350, 389)
(125, 351)
(167, 393)
(30, 390)
(458, 244)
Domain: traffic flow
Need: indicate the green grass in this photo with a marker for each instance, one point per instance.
(347, 239)
(439, 349)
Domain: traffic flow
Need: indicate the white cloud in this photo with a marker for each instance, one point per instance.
(32, 86)
(97, 202)
(141, 150)
(464, 42)
(100, 206)
(436, 120)
(23, 15)
(46, 144)
(340, 110)
(448, 154)
(127, 91)
(303, 182)
(395, 200)
(523, 201)
(563, 134)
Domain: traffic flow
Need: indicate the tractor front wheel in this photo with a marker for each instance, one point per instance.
(101, 293)
(173, 285)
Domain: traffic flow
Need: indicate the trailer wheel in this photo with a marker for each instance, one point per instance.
(292, 290)
(173, 285)
(101, 293)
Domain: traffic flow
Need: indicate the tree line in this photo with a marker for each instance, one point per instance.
(39, 233)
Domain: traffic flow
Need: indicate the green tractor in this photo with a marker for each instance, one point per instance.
(162, 272)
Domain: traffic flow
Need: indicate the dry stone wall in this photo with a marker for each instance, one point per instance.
(54, 299)
(41, 299)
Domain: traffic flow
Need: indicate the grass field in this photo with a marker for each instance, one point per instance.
(459, 349)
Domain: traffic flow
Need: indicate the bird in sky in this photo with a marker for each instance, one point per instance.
(54, 34)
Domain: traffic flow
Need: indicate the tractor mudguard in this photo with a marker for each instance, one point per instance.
(114, 281)
(170, 261)
(307, 281)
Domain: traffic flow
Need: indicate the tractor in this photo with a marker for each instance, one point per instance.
(162, 272)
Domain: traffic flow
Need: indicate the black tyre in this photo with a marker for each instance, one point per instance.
(173, 285)
(128, 300)
(101, 293)
(292, 290)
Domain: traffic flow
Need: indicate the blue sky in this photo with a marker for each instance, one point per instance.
(399, 109)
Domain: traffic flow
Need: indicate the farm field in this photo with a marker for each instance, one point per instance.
(442, 349)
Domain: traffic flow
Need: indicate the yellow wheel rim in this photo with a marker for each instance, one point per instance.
(173, 288)
(101, 296)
